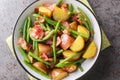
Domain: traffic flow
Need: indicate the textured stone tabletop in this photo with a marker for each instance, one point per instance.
(107, 66)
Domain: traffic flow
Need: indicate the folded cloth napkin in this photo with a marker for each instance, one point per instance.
(105, 41)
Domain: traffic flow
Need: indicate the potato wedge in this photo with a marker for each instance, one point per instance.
(82, 29)
(60, 14)
(91, 50)
(78, 44)
(45, 11)
(40, 66)
(68, 53)
(73, 25)
(70, 68)
(58, 74)
(45, 49)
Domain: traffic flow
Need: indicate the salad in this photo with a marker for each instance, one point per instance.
(56, 39)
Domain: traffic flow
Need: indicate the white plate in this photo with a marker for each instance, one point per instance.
(86, 64)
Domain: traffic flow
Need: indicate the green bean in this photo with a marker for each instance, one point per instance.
(25, 29)
(54, 47)
(45, 38)
(28, 26)
(59, 2)
(73, 12)
(78, 33)
(88, 20)
(39, 59)
(36, 70)
(60, 51)
(50, 21)
(36, 15)
(80, 67)
(75, 33)
(21, 30)
(48, 27)
(74, 62)
(68, 58)
(24, 54)
(43, 26)
(70, 8)
(57, 26)
(54, 41)
(49, 35)
(37, 49)
(34, 42)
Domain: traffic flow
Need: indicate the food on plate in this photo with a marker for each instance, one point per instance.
(58, 74)
(78, 44)
(91, 50)
(56, 39)
(82, 29)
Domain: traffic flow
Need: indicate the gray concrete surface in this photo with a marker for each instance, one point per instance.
(107, 66)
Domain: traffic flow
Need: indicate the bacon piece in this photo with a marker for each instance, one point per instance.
(47, 32)
(49, 41)
(66, 41)
(66, 24)
(22, 43)
(64, 7)
(66, 32)
(36, 10)
(37, 32)
(50, 6)
(41, 19)
(76, 17)
(58, 41)
(46, 58)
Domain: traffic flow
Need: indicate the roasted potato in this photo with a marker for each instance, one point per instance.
(60, 14)
(45, 49)
(40, 66)
(58, 74)
(78, 44)
(82, 29)
(73, 25)
(67, 53)
(91, 50)
(45, 11)
(70, 68)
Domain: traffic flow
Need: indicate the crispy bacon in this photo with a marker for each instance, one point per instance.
(66, 24)
(76, 17)
(66, 32)
(22, 43)
(37, 32)
(47, 32)
(64, 7)
(66, 41)
(36, 10)
(49, 41)
(46, 58)
(58, 41)
(50, 6)
(41, 19)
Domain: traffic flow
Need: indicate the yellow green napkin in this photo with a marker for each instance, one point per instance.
(105, 41)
